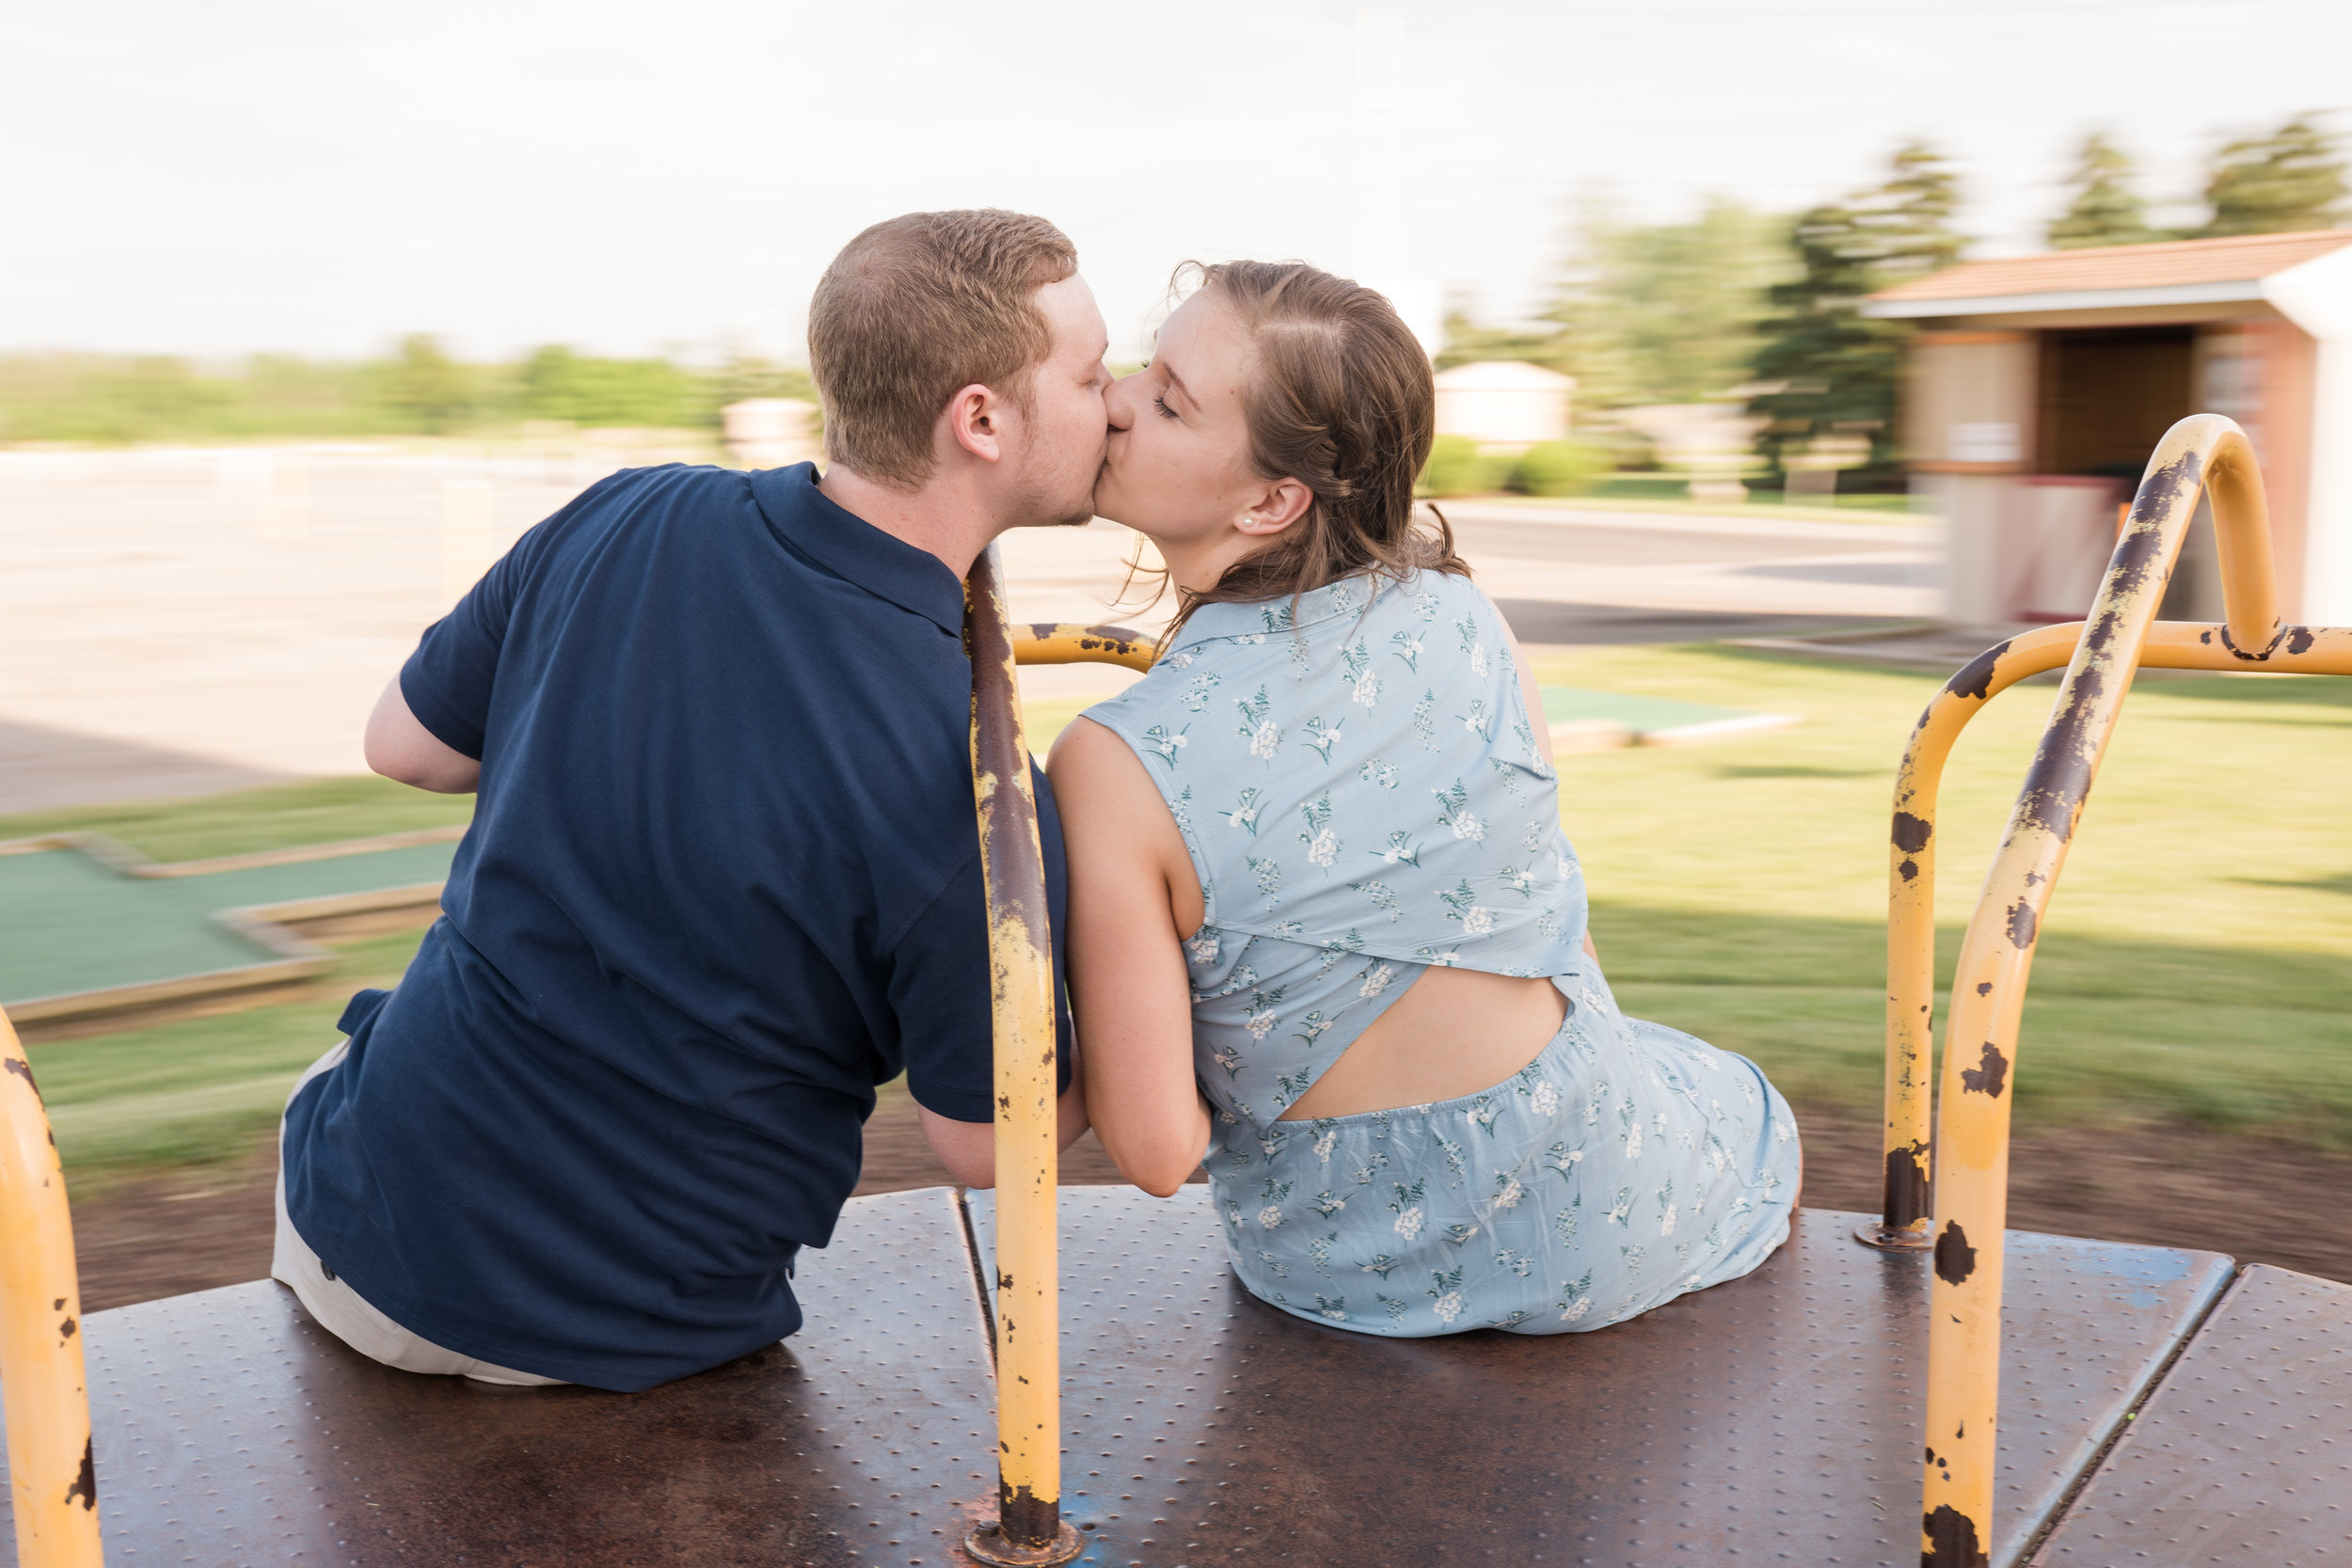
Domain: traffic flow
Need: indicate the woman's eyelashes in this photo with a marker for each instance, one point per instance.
(1161, 403)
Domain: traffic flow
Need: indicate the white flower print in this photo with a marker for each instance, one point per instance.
(1445, 958)
(1394, 1305)
(1244, 812)
(1575, 1298)
(1379, 1263)
(1425, 721)
(1564, 1223)
(1203, 948)
(1542, 1100)
(1381, 899)
(1325, 1142)
(1319, 1250)
(1378, 772)
(1271, 1216)
(1269, 875)
(1323, 736)
(1467, 629)
(1178, 661)
(1563, 1159)
(1453, 813)
(1274, 1264)
(1338, 947)
(1326, 1205)
(1461, 906)
(1161, 739)
(1404, 645)
(1364, 685)
(1333, 1308)
(1666, 1209)
(1548, 923)
(1520, 883)
(1478, 660)
(1323, 844)
(1228, 1058)
(1454, 1161)
(1376, 980)
(1533, 836)
(1448, 1289)
(1507, 1190)
(1263, 1018)
(1312, 1026)
(1264, 735)
(1197, 691)
(1407, 1208)
(1477, 922)
(1476, 722)
(1518, 1263)
(1621, 1207)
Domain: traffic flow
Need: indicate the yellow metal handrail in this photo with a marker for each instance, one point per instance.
(53, 1483)
(1028, 1529)
(2205, 453)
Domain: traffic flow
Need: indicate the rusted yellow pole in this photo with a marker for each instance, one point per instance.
(2207, 452)
(52, 1484)
(1066, 643)
(1020, 983)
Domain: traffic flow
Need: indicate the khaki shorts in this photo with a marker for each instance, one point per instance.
(339, 1308)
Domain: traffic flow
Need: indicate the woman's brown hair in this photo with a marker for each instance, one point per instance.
(1340, 399)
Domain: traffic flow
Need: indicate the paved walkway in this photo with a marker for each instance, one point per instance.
(176, 621)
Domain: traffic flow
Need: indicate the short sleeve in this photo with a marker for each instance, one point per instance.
(939, 985)
(447, 681)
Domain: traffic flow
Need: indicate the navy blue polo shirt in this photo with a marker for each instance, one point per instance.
(722, 879)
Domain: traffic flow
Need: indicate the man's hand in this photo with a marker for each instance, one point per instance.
(400, 748)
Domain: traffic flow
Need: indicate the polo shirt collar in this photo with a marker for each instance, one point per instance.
(1257, 620)
(851, 548)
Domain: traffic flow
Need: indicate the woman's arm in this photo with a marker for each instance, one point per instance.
(1534, 696)
(1133, 895)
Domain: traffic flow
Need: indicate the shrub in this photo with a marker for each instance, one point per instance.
(1458, 468)
(1562, 469)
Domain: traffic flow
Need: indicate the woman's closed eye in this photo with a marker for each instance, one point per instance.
(1161, 403)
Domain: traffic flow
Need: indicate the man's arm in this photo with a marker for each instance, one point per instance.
(400, 748)
(968, 1148)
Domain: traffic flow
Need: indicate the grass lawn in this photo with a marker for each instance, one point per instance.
(2197, 963)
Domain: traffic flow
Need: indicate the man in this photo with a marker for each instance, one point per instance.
(723, 878)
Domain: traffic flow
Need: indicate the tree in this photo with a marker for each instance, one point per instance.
(2105, 209)
(1832, 368)
(1667, 312)
(424, 388)
(2290, 180)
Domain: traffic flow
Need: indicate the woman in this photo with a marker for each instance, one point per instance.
(1322, 921)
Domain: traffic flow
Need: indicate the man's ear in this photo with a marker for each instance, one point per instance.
(975, 421)
(1273, 509)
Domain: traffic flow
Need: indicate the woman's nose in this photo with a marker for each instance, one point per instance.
(1118, 400)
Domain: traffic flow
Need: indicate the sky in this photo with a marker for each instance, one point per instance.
(291, 176)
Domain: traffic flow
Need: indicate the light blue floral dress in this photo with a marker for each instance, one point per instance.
(1357, 778)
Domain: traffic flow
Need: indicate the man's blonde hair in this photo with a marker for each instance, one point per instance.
(917, 307)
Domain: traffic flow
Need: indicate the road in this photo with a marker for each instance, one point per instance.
(176, 622)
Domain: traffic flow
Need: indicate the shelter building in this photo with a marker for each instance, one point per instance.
(2039, 383)
(1505, 406)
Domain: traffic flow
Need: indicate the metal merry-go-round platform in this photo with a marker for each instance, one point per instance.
(1837, 1406)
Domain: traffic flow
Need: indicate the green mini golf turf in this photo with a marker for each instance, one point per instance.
(71, 923)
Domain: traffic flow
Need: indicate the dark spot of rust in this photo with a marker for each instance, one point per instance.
(1024, 1519)
(1984, 988)
(86, 1486)
(2299, 640)
(1912, 832)
(1952, 1541)
(1910, 870)
(2023, 924)
(1975, 676)
(1990, 1073)
(1907, 1196)
(2205, 636)
(22, 1069)
(2060, 780)
(1955, 1260)
(57, 1306)
(65, 1329)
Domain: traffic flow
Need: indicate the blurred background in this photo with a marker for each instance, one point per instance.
(1790, 353)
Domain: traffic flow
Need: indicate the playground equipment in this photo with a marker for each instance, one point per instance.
(1775, 1416)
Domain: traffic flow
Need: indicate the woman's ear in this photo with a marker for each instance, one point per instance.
(1280, 504)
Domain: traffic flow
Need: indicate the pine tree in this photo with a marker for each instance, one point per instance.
(1836, 368)
(2106, 210)
(2293, 179)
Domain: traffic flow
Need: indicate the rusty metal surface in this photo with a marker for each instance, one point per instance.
(2243, 1454)
(1776, 1417)
(234, 1433)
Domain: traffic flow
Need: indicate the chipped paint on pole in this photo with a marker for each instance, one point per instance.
(2206, 453)
(53, 1485)
(1021, 994)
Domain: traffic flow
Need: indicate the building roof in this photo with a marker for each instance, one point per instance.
(1502, 376)
(2177, 272)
